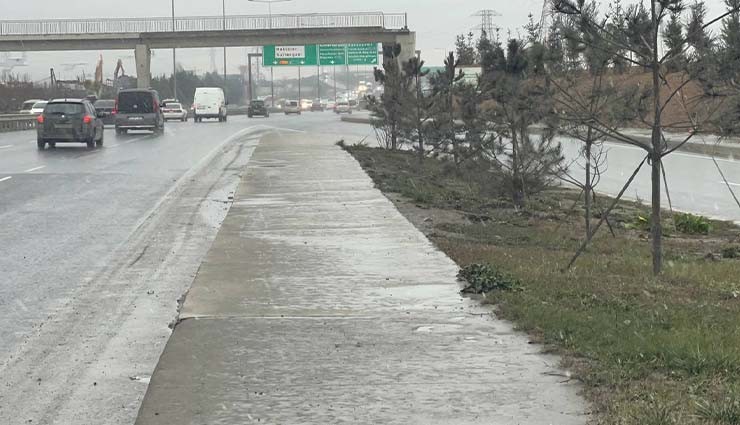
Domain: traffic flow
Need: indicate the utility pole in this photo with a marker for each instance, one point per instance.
(300, 104)
(318, 72)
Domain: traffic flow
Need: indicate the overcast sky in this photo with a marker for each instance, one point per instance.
(435, 21)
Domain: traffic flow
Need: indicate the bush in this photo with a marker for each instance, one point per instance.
(692, 224)
(731, 252)
(482, 278)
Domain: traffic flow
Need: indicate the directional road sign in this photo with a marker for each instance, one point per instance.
(304, 55)
(362, 54)
(332, 54)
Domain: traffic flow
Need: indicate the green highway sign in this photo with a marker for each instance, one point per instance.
(324, 55)
(362, 54)
(332, 54)
(304, 55)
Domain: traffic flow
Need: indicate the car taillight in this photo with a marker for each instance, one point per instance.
(115, 108)
(40, 119)
(87, 119)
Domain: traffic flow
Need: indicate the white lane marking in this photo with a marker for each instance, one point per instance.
(6, 146)
(31, 170)
(4, 179)
(730, 183)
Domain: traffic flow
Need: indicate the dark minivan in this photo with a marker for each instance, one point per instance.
(138, 110)
(69, 121)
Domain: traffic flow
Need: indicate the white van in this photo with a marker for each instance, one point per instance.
(209, 102)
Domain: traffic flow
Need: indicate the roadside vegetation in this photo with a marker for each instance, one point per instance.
(642, 302)
(648, 350)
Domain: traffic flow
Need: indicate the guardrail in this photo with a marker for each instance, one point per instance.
(17, 123)
(397, 21)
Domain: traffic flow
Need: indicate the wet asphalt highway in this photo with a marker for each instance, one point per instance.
(96, 246)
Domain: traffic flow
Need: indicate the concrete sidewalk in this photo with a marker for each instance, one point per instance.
(319, 303)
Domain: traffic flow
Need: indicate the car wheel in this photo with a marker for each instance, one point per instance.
(226, 118)
(100, 141)
(41, 144)
(91, 143)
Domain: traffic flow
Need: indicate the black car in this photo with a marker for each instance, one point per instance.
(104, 108)
(257, 107)
(69, 121)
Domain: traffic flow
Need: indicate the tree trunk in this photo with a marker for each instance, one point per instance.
(587, 188)
(516, 179)
(656, 226)
(451, 123)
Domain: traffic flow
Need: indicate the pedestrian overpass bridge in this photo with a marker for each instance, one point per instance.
(144, 34)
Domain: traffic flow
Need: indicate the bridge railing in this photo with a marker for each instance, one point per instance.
(203, 23)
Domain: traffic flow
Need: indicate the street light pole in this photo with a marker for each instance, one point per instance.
(269, 26)
(174, 57)
(269, 8)
(223, 8)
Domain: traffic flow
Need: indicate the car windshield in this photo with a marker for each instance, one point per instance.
(258, 103)
(173, 106)
(135, 102)
(39, 105)
(27, 106)
(66, 108)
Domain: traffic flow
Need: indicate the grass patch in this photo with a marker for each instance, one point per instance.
(649, 351)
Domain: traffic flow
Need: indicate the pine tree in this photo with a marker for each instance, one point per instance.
(388, 110)
(521, 98)
(616, 26)
(444, 88)
(674, 41)
(465, 49)
(730, 37)
(416, 106)
(698, 37)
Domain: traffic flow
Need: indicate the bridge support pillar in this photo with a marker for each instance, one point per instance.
(407, 45)
(143, 55)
